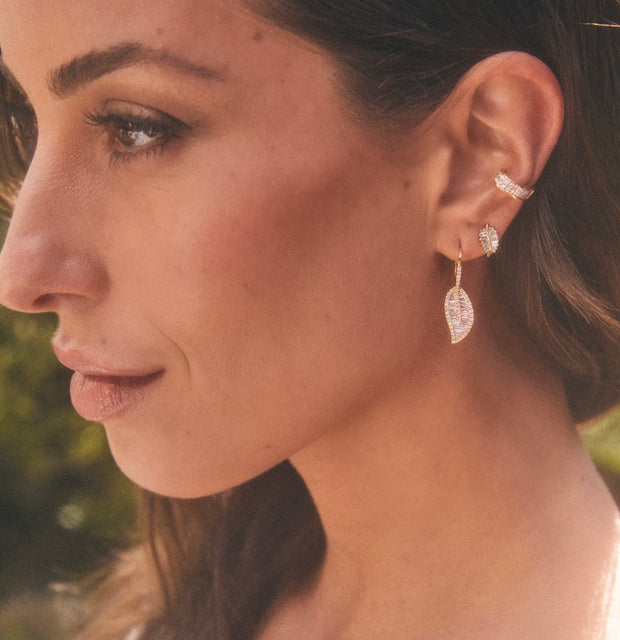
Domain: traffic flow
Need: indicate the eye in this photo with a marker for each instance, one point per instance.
(134, 131)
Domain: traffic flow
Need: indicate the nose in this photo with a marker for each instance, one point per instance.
(48, 261)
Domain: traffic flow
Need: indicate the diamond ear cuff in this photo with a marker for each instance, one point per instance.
(505, 184)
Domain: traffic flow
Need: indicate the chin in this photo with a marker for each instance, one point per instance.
(163, 477)
(169, 486)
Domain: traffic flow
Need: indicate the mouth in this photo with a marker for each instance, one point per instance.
(103, 387)
(100, 398)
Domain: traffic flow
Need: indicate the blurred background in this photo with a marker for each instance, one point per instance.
(64, 506)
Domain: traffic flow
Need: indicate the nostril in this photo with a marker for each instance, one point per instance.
(43, 274)
(43, 303)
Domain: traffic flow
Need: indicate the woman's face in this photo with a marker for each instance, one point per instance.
(231, 256)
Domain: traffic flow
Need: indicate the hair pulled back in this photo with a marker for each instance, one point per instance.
(222, 561)
(558, 267)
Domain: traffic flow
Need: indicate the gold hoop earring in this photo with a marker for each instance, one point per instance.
(458, 307)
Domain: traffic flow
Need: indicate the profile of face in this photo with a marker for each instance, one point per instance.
(238, 263)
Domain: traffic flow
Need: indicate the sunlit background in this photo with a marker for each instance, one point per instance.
(64, 506)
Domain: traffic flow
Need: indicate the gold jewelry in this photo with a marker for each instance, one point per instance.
(458, 307)
(489, 239)
(505, 184)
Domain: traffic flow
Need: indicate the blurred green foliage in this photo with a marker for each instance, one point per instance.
(602, 438)
(63, 504)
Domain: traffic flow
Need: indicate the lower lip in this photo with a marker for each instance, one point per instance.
(100, 398)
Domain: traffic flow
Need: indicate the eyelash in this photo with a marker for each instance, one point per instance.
(162, 128)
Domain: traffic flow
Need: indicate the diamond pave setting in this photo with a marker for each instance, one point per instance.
(505, 184)
(458, 308)
(489, 239)
(459, 314)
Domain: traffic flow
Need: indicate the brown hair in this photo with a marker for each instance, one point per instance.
(223, 561)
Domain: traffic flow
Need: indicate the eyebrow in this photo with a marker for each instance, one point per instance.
(72, 76)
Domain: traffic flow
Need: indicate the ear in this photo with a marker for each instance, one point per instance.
(506, 115)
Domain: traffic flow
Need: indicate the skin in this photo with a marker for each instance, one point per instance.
(283, 265)
(273, 250)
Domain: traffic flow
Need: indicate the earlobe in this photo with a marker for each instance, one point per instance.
(505, 115)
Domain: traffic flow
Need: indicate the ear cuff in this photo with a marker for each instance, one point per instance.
(457, 306)
(505, 184)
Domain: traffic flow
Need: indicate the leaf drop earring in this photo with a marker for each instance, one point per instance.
(458, 307)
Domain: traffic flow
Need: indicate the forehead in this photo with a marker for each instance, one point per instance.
(42, 35)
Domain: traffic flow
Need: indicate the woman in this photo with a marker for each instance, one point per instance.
(253, 220)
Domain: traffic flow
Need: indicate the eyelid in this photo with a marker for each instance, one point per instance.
(120, 109)
(117, 113)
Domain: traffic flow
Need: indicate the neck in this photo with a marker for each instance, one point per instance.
(464, 491)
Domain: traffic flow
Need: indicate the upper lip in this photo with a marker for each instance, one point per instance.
(92, 364)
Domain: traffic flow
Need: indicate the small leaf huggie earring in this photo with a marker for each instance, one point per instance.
(489, 239)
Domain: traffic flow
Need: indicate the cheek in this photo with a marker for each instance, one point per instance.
(238, 218)
(266, 271)
(250, 246)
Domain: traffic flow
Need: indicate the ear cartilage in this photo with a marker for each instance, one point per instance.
(505, 184)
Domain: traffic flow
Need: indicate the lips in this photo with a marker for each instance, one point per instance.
(101, 398)
(100, 392)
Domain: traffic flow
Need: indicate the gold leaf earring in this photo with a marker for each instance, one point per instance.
(489, 239)
(458, 307)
